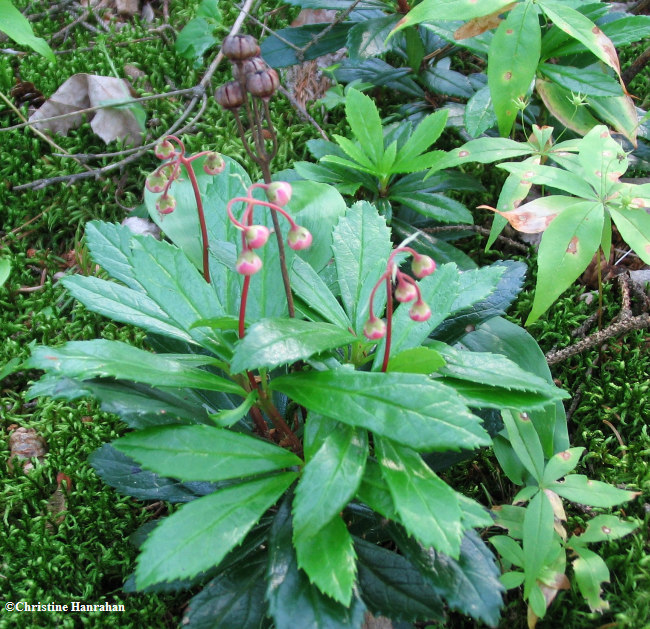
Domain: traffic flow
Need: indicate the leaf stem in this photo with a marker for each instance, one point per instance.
(389, 322)
(199, 208)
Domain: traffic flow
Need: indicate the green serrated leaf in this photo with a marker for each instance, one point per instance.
(424, 135)
(330, 479)
(363, 118)
(435, 206)
(361, 244)
(332, 572)
(512, 61)
(408, 408)
(102, 358)
(273, 342)
(567, 247)
(355, 152)
(293, 600)
(367, 38)
(579, 488)
(231, 416)
(391, 586)
(374, 491)
(416, 360)
(428, 508)
(203, 453)
(177, 547)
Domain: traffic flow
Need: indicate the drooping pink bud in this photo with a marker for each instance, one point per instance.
(419, 311)
(164, 150)
(256, 236)
(248, 262)
(405, 291)
(155, 182)
(214, 164)
(374, 329)
(166, 204)
(422, 266)
(279, 192)
(299, 238)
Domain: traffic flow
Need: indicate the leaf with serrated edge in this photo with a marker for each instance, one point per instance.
(363, 118)
(391, 586)
(273, 342)
(427, 506)
(200, 534)
(416, 360)
(424, 135)
(327, 556)
(293, 600)
(408, 408)
(203, 453)
(330, 478)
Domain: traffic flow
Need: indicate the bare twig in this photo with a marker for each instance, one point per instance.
(478, 229)
(618, 434)
(615, 329)
(302, 112)
(637, 65)
(576, 399)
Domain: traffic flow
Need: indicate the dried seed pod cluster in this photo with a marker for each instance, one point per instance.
(251, 73)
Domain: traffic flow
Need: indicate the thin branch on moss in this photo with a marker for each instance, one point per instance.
(479, 230)
(302, 112)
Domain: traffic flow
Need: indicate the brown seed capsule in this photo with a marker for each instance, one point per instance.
(230, 95)
(263, 84)
(239, 47)
(248, 66)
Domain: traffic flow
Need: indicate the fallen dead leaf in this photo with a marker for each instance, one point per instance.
(25, 444)
(81, 91)
(57, 503)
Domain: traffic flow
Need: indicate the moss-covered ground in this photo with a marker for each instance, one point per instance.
(87, 556)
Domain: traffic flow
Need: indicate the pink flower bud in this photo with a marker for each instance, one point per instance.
(422, 266)
(419, 311)
(164, 150)
(166, 204)
(374, 329)
(155, 182)
(213, 164)
(256, 236)
(279, 192)
(405, 291)
(299, 238)
(248, 262)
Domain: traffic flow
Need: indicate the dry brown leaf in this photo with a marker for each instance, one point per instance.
(25, 444)
(127, 7)
(57, 503)
(81, 91)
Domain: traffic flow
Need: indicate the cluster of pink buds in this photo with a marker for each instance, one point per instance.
(172, 151)
(406, 290)
(255, 236)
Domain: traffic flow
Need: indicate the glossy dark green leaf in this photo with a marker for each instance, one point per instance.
(492, 369)
(102, 358)
(313, 291)
(469, 584)
(361, 249)
(127, 477)
(330, 478)
(581, 80)
(280, 55)
(374, 491)
(332, 571)
(203, 453)
(367, 38)
(293, 600)
(378, 72)
(435, 206)
(408, 408)
(503, 337)
(512, 61)
(273, 342)
(428, 508)
(177, 548)
(579, 488)
(441, 80)
(392, 587)
(233, 599)
(494, 304)
(110, 247)
(137, 405)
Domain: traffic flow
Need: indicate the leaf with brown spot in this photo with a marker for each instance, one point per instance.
(481, 24)
(534, 217)
(557, 101)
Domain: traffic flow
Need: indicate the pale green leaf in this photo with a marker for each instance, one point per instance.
(578, 488)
